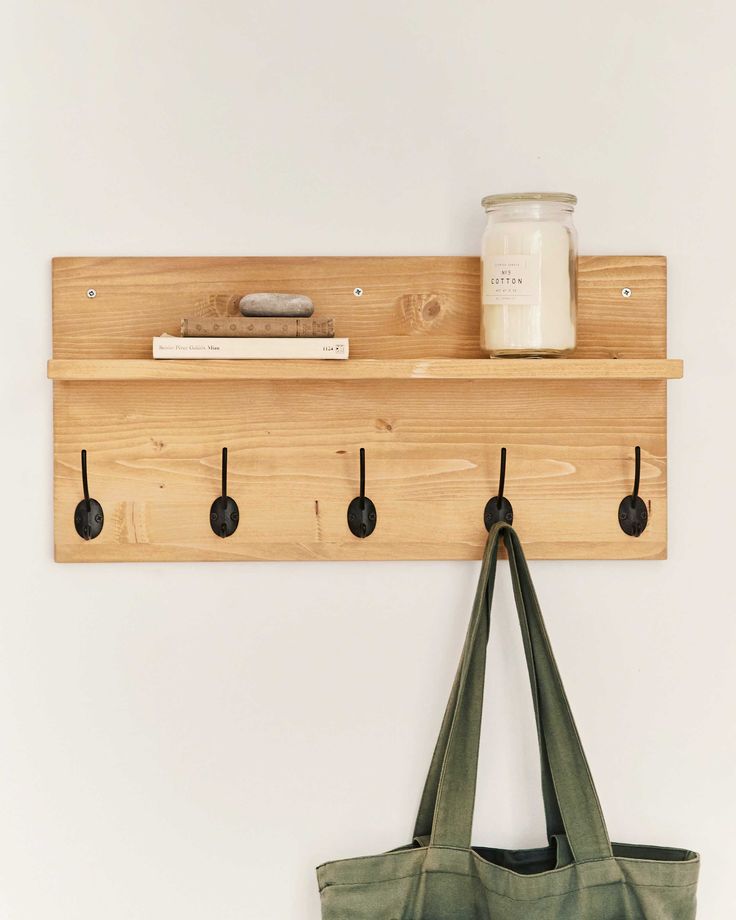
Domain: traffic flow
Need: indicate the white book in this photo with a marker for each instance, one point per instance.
(171, 346)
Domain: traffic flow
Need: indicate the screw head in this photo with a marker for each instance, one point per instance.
(626, 292)
(358, 292)
(91, 293)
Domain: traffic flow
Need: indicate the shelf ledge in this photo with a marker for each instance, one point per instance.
(369, 369)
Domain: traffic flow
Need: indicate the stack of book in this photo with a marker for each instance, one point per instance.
(269, 326)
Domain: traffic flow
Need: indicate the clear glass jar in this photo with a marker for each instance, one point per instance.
(528, 271)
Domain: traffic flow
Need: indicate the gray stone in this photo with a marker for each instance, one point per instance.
(276, 305)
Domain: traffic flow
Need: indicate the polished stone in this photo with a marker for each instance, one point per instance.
(276, 305)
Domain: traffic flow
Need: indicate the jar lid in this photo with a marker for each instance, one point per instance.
(491, 201)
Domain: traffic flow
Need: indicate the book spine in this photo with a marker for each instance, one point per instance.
(258, 327)
(169, 346)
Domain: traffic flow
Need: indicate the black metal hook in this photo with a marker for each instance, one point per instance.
(499, 508)
(362, 514)
(89, 517)
(224, 513)
(633, 516)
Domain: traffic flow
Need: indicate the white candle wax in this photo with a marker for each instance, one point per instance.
(528, 275)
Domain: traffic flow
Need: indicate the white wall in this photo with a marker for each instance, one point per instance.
(191, 740)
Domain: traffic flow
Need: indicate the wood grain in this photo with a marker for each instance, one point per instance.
(432, 463)
(411, 307)
(367, 369)
(432, 419)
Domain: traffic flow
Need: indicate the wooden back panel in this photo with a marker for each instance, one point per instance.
(410, 307)
(432, 445)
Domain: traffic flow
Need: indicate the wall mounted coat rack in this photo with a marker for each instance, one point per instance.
(431, 412)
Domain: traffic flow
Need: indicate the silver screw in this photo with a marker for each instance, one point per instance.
(91, 293)
(626, 292)
(358, 292)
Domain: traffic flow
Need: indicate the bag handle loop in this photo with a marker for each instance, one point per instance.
(425, 816)
(571, 783)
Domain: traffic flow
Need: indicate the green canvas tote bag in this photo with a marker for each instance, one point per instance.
(580, 875)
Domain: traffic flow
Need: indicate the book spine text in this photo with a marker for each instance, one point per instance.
(169, 346)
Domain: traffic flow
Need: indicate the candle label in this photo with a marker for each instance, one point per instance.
(511, 280)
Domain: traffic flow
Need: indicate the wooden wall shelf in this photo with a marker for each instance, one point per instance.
(368, 369)
(154, 430)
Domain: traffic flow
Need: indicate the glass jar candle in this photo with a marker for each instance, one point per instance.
(528, 272)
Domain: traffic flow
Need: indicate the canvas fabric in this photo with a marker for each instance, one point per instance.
(579, 875)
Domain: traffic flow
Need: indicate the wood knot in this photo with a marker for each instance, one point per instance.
(431, 309)
(421, 312)
(383, 424)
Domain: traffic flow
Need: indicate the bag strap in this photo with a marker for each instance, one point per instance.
(571, 783)
(425, 816)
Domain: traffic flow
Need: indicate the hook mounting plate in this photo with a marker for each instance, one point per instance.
(633, 516)
(496, 511)
(89, 521)
(362, 517)
(224, 516)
